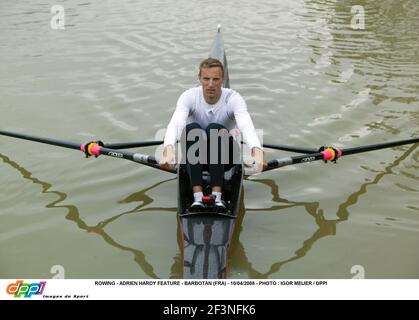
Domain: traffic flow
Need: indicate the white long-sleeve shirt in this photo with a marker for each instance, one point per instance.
(230, 111)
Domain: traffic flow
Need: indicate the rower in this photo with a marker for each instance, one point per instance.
(200, 112)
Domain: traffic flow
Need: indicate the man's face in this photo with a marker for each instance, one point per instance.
(211, 80)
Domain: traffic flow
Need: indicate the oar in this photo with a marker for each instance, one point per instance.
(284, 147)
(327, 155)
(54, 142)
(96, 150)
(128, 145)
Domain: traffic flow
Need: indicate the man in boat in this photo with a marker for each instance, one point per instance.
(209, 108)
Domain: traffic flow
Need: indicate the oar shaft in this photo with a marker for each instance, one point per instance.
(282, 162)
(144, 159)
(289, 148)
(128, 145)
(133, 156)
(378, 146)
(53, 142)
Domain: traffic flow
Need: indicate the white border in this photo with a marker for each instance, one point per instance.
(170, 289)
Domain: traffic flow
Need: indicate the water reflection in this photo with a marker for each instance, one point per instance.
(74, 214)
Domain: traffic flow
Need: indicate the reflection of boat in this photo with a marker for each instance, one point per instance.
(207, 235)
(206, 240)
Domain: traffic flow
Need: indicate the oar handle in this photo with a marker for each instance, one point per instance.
(144, 159)
(282, 162)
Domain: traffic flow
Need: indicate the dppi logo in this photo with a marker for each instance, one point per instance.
(27, 290)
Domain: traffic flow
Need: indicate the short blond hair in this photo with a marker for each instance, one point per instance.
(211, 63)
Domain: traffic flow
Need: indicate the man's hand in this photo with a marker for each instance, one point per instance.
(168, 158)
(258, 159)
(259, 162)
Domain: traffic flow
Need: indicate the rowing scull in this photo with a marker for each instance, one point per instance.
(207, 235)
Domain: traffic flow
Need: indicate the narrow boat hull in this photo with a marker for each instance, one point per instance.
(206, 236)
